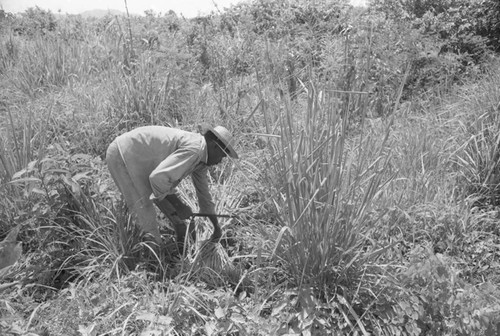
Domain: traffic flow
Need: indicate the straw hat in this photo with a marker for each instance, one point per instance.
(226, 138)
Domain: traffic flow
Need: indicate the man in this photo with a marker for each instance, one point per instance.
(148, 163)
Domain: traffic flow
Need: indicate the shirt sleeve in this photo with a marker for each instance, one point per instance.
(171, 171)
(200, 182)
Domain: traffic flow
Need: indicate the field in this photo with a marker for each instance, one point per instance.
(366, 197)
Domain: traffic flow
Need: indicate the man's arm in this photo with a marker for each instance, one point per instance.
(170, 171)
(205, 202)
(200, 182)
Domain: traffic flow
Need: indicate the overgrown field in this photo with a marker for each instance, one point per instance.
(366, 194)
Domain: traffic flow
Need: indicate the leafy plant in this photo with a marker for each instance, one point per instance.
(35, 20)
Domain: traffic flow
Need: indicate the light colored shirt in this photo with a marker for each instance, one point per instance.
(163, 156)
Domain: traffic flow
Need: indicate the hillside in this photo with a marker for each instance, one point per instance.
(364, 200)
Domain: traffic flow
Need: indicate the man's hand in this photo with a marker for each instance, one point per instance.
(183, 211)
(217, 231)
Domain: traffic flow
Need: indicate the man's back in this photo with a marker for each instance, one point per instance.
(144, 148)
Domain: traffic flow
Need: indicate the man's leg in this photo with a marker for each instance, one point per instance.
(136, 195)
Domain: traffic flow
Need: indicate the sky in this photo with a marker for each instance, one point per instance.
(189, 8)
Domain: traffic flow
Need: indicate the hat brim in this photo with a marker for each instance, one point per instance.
(229, 149)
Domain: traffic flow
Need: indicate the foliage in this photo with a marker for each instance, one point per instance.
(356, 214)
(454, 38)
(35, 21)
(461, 25)
(280, 19)
(433, 300)
(478, 160)
(487, 14)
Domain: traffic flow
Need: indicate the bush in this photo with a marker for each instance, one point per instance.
(461, 25)
(432, 300)
(35, 21)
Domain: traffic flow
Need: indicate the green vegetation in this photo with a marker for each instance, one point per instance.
(367, 193)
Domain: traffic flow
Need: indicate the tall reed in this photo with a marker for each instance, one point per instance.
(327, 184)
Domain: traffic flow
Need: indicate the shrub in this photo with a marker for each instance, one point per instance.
(461, 25)
(430, 299)
(35, 21)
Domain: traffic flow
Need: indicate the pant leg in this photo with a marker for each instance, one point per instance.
(136, 193)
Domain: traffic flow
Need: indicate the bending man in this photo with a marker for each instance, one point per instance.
(148, 163)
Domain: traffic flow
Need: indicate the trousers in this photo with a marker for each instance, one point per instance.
(137, 196)
(135, 193)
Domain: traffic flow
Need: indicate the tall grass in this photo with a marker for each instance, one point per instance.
(422, 147)
(23, 144)
(327, 190)
(478, 157)
(46, 63)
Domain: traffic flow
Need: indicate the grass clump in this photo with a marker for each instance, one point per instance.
(328, 189)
